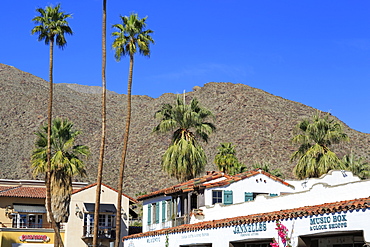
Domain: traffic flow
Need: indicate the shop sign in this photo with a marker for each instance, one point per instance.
(250, 228)
(195, 235)
(34, 238)
(153, 240)
(328, 222)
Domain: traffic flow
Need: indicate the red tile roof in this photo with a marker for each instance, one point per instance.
(40, 192)
(206, 182)
(187, 186)
(23, 191)
(270, 216)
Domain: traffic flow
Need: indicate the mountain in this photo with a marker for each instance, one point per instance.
(258, 123)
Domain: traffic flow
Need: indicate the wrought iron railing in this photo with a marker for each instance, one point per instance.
(27, 225)
(103, 232)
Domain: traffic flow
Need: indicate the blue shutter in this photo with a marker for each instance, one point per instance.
(228, 197)
(163, 211)
(157, 212)
(248, 196)
(149, 214)
(271, 194)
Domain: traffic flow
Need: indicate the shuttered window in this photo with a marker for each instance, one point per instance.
(163, 211)
(228, 197)
(157, 212)
(248, 196)
(149, 214)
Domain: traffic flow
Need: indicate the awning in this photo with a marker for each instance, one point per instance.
(24, 208)
(103, 208)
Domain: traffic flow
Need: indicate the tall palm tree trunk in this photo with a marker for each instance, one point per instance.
(58, 239)
(103, 132)
(124, 152)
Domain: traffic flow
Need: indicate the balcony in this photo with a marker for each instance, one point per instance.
(104, 232)
(29, 225)
(180, 220)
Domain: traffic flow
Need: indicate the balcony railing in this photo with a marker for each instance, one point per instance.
(179, 221)
(106, 232)
(28, 225)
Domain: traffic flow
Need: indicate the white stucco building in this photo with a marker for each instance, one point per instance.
(332, 211)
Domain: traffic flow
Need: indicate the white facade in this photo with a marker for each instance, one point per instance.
(263, 232)
(258, 184)
(171, 209)
(331, 178)
(332, 211)
(318, 193)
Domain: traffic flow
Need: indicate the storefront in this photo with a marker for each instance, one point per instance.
(27, 237)
(338, 239)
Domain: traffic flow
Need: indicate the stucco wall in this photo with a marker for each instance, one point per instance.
(74, 227)
(318, 194)
(259, 183)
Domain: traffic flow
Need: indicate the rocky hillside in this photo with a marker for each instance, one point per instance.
(260, 124)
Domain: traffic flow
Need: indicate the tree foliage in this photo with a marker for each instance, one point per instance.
(131, 37)
(357, 165)
(266, 166)
(66, 162)
(185, 158)
(52, 25)
(226, 161)
(315, 136)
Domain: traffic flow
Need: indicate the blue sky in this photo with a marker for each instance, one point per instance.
(313, 52)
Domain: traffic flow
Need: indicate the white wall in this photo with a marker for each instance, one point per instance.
(259, 183)
(318, 194)
(333, 177)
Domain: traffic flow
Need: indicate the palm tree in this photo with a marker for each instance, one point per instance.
(226, 161)
(131, 37)
(314, 158)
(65, 163)
(185, 158)
(358, 166)
(265, 166)
(103, 132)
(51, 26)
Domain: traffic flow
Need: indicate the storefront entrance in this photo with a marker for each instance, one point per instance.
(343, 239)
(252, 243)
(197, 245)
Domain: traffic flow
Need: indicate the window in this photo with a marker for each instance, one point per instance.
(169, 209)
(163, 211)
(155, 215)
(250, 196)
(216, 196)
(105, 225)
(149, 214)
(222, 196)
(27, 221)
(106, 220)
